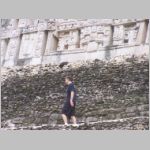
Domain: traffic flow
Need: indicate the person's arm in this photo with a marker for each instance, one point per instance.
(71, 98)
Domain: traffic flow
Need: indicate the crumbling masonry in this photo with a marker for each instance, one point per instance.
(36, 41)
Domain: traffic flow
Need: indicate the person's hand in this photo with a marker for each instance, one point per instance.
(71, 103)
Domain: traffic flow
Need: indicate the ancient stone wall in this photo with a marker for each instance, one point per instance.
(32, 41)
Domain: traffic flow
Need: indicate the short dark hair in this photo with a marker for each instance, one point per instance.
(69, 78)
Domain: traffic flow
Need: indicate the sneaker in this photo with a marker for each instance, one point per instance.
(75, 125)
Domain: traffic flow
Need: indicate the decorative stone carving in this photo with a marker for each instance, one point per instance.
(68, 40)
(44, 36)
(130, 33)
(14, 23)
(118, 36)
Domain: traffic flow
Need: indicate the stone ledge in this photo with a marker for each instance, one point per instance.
(140, 123)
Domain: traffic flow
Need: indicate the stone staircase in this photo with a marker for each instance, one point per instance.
(107, 93)
(132, 123)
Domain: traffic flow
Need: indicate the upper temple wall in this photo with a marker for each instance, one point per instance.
(35, 38)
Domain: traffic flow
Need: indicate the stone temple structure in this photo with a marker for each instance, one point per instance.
(42, 41)
(112, 90)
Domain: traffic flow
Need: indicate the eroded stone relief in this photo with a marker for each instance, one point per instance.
(44, 36)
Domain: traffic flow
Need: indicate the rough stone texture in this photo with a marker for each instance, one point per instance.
(42, 37)
(107, 92)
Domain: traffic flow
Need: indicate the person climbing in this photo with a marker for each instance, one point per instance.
(68, 110)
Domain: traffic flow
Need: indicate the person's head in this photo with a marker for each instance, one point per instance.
(68, 80)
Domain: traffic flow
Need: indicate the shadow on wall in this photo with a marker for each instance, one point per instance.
(107, 53)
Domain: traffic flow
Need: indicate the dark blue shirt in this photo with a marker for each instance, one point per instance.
(71, 88)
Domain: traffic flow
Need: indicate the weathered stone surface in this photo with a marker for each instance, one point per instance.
(48, 36)
(33, 95)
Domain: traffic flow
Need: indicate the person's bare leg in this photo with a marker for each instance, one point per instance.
(65, 119)
(74, 120)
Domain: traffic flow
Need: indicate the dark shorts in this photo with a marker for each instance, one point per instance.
(68, 110)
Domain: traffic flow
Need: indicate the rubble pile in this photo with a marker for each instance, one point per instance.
(106, 90)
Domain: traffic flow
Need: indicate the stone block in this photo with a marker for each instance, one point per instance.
(91, 119)
(131, 109)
